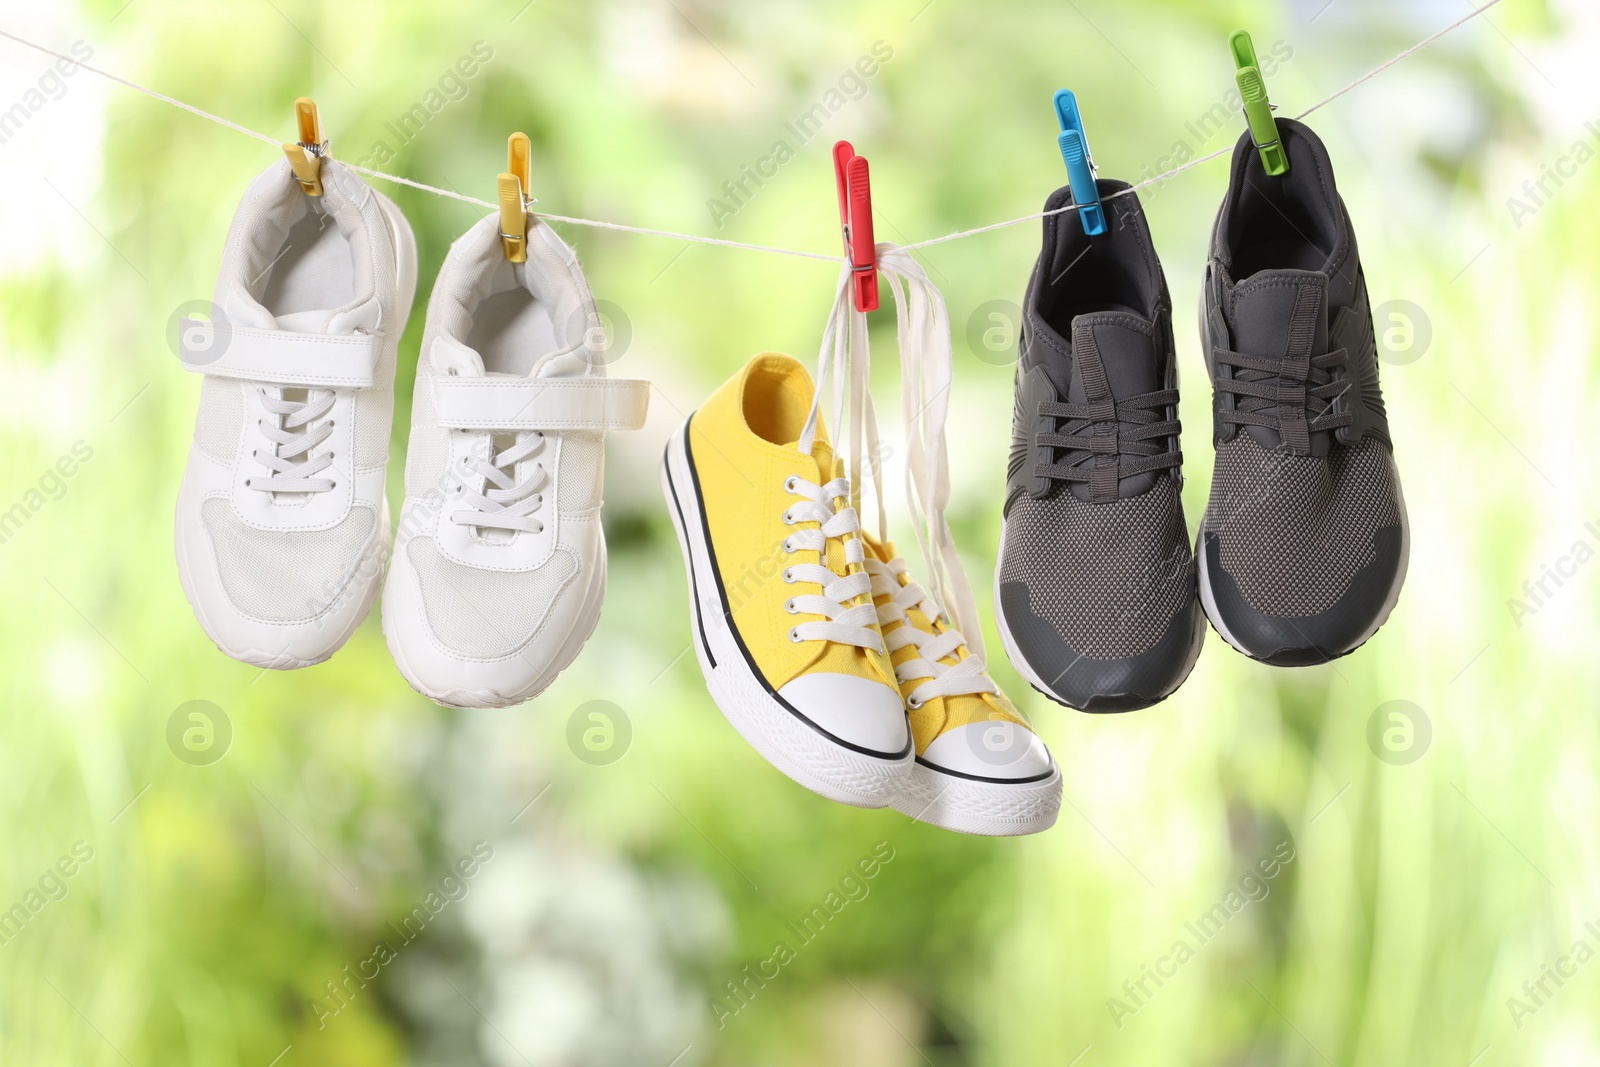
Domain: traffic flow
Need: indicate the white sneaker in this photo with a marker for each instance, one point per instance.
(282, 529)
(500, 561)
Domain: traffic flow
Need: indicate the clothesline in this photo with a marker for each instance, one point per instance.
(697, 238)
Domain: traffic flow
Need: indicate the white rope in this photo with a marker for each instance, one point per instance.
(218, 119)
(453, 195)
(1165, 175)
(1408, 53)
(447, 193)
(695, 238)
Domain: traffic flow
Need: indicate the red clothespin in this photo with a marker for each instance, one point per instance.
(855, 216)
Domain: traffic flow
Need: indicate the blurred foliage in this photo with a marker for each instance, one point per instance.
(221, 901)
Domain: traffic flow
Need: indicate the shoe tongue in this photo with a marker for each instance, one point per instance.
(1281, 314)
(1113, 359)
(452, 356)
(1126, 363)
(560, 365)
(828, 467)
(244, 310)
(822, 454)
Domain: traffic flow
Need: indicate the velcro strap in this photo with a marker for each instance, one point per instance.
(541, 403)
(279, 356)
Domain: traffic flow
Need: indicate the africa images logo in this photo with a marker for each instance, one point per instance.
(799, 131)
(854, 887)
(1199, 932)
(452, 887)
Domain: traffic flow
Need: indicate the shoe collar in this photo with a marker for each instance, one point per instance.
(570, 341)
(273, 206)
(1311, 178)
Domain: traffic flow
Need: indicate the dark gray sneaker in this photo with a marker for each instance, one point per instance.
(1304, 542)
(1095, 588)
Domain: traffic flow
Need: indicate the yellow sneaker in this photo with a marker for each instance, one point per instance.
(784, 625)
(979, 768)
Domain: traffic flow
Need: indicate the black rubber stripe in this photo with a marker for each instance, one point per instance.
(981, 778)
(727, 614)
(694, 582)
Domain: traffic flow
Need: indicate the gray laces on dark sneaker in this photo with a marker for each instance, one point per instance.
(1100, 429)
(1293, 395)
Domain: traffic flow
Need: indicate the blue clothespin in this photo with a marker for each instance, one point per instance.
(1080, 164)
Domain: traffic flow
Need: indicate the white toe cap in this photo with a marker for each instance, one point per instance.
(865, 714)
(999, 749)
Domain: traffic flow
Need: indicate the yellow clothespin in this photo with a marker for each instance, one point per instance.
(513, 188)
(305, 157)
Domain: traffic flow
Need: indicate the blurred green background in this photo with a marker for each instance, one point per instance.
(283, 892)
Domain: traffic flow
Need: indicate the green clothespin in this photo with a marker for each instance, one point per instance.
(1257, 108)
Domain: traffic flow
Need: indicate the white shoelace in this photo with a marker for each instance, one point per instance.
(963, 678)
(299, 428)
(842, 622)
(925, 365)
(504, 503)
(925, 380)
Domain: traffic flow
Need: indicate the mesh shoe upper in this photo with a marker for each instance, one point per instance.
(487, 614)
(286, 576)
(1122, 570)
(1096, 574)
(1293, 531)
(1305, 516)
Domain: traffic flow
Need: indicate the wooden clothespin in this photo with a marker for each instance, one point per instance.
(305, 156)
(513, 188)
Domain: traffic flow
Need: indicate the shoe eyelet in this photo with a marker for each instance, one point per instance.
(788, 576)
(787, 547)
(790, 484)
(794, 635)
(913, 703)
(789, 606)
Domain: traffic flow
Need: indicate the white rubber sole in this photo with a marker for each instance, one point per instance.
(991, 809)
(789, 743)
(1208, 599)
(468, 697)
